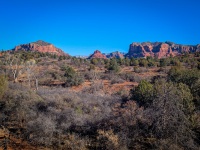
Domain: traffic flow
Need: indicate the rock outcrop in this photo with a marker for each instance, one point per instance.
(40, 46)
(115, 55)
(97, 54)
(159, 49)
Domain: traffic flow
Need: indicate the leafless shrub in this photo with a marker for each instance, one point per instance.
(140, 69)
(41, 130)
(128, 76)
(117, 80)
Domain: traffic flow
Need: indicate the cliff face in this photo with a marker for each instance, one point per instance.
(159, 49)
(97, 54)
(40, 46)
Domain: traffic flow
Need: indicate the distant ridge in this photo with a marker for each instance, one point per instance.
(159, 49)
(136, 49)
(116, 54)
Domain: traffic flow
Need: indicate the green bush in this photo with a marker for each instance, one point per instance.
(143, 93)
(134, 62)
(143, 62)
(186, 76)
(72, 78)
(113, 66)
(164, 62)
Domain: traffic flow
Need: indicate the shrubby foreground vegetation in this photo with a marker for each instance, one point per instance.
(39, 105)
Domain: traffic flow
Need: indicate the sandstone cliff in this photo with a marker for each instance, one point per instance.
(40, 46)
(159, 49)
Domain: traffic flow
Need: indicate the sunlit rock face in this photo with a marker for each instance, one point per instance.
(159, 49)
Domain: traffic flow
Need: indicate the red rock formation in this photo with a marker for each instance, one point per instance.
(97, 54)
(40, 46)
(158, 49)
(115, 55)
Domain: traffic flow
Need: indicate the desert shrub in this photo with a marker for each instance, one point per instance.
(107, 140)
(186, 98)
(96, 87)
(116, 79)
(88, 75)
(61, 111)
(3, 85)
(134, 62)
(151, 63)
(107, 76)
(74, 81)
(195, 89)
(91, 75)
(41, 130)
(185, 76)
(113, 66)
(168, 101)
(123, 93)
(163, 70)
(127, 76)
(143, 93)
(133, 77)
(164, 62)
(72, 78)
(176, 62)
(130, 121)
(143, 62)
(198, 65)
(94, 61)
(127, 61)
(54, 75)
(138, 78)
(140, 69)
(17, 106)
(162, 100)
(75, 142)
(91, 67)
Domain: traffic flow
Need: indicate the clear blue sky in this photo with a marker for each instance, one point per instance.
(81, 26)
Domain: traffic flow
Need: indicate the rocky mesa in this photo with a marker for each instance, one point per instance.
(159, 49)
(40, 46)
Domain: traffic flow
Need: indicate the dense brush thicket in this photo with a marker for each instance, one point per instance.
(161, 113)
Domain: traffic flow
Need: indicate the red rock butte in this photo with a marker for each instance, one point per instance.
(40, 46)
(97, 54)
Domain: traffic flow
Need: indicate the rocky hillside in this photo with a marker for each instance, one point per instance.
(40, 46)
(159, 49)
(97, 54)
(115, 55)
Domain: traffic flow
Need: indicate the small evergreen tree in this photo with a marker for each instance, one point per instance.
(143, 93)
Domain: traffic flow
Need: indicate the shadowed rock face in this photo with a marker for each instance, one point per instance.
(97, 54)
(159, 49)
(40, 46)
(115, 55)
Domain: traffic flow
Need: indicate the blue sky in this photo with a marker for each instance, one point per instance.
(81, 26)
